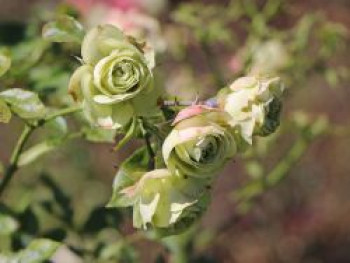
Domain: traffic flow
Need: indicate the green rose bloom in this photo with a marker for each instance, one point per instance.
(254, 104)
(200, 143)
(162, 200)
(115, 82)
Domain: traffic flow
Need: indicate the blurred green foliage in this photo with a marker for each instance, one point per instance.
(65, 202)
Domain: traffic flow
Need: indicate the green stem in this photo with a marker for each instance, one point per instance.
(12, 168)
(281, 170)
(23, 139)
(147, 137)
(60, 113)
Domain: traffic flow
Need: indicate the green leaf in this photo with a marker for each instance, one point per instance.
(24, 103)
(38, 150)
(38, 251)
(27, 54)
(8, 224)
(5, 112)
(128, 136)
(101, 218)
(56, 128)
(129, 173)
(5, 62)
(63, 29)
(94, 134)
(61, 198)
(119, 252)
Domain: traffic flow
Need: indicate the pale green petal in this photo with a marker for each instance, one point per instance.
(74, 86)
(148, 208)
(244, 83)
(179, 136)
(94, 47)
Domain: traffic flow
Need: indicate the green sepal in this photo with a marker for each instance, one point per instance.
(130, 171)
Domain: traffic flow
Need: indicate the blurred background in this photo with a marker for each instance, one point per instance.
(286, 200)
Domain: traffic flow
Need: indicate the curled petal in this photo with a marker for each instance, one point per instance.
(192, 111)
(96, 43)
(74, 86)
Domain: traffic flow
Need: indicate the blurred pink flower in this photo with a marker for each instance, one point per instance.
(235, 64)
(128, 15)
(85, 6)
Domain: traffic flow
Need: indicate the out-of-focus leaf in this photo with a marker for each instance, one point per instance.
(24, 103)
(57, 127)
(5, 112)
(332, 77)
(63, 29)
(254, 169)
(101, 218)
(120, 252)
(60, 197)
(47, 80)
(26, 55)
(38, 251)
(8, 224)
(94, 134)
(160, 259)
(38, 150)
(29, 222)
(129, 173)
(5, 62)
(57, 234)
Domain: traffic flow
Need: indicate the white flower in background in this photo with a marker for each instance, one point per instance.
(269, 57)
(131, 16)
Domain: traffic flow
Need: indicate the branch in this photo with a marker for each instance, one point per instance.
(13, 166)
(147, 137)
(23, 139)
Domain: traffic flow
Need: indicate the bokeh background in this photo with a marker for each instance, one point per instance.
(287, 200)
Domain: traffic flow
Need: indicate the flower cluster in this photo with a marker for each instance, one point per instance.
(115, 85)
(115, 81)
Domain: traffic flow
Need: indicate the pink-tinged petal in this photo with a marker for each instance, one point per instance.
(177, 137)
(192, 111)
(130, 191)
(194, 132)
